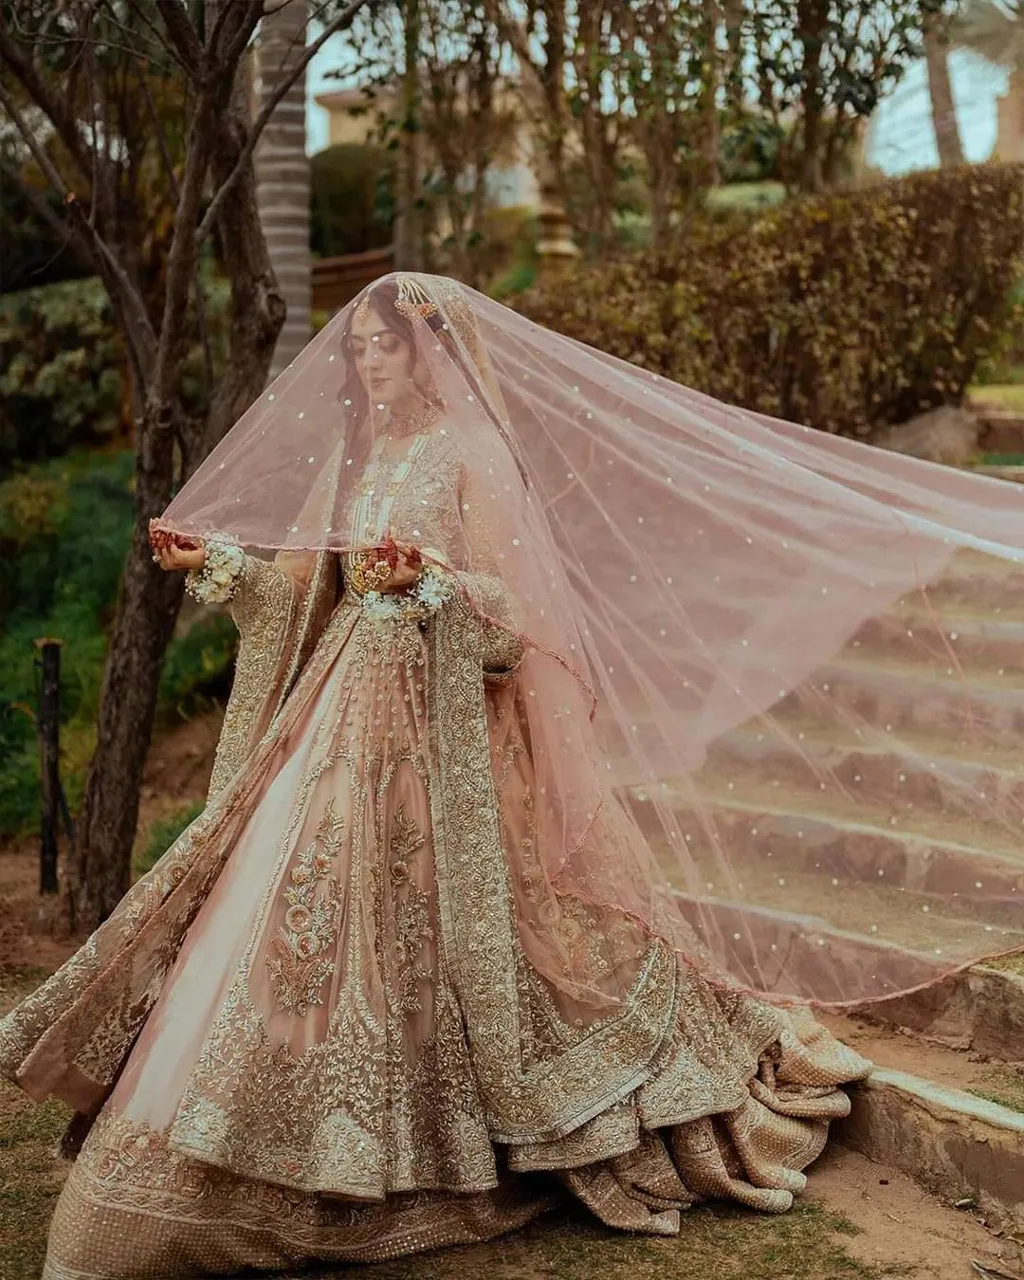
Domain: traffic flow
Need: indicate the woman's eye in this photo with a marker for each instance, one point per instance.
(389, 343)
(358, 349)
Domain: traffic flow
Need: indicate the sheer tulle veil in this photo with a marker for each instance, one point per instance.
(684, 574)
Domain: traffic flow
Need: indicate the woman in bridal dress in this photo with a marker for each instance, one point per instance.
(435, 955)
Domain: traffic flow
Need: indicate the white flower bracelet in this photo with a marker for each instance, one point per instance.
(220, 575)
(433, 587)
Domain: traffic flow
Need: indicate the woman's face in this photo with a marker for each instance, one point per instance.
(384, 358)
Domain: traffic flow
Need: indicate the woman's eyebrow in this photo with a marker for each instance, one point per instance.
(375, 334)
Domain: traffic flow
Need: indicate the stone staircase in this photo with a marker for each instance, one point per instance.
(906, 885)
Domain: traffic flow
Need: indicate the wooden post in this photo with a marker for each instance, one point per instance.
(49, 753)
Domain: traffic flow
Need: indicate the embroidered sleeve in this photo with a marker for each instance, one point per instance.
(502, 648)
(263, 604)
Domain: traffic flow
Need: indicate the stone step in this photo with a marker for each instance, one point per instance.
(798, 839)
(977, 644)
(897, 696)
(987, 582)
(978, 1006)
(902, 777)
(960, 1146)
(876, 940)
(1002, 430)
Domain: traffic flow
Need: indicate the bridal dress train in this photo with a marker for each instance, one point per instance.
(415, 974)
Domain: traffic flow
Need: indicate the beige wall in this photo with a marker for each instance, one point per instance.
(1010, 128)
(346, 125)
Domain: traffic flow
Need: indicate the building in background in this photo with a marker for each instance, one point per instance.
(1010, 121)
(355, 118)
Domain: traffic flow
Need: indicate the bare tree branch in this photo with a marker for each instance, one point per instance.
(240, 42)
(160, 37)
(172, 181)
(141, 330)
(61, 226)
(184, 37)
(259, 124)
(62, 119)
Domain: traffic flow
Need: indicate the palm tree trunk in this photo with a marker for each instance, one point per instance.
(282, 174)
(947, 132)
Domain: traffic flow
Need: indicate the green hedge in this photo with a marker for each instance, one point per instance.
(848, 312)
(351, 199)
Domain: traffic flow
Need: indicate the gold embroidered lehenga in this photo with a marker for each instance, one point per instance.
(322, 1027)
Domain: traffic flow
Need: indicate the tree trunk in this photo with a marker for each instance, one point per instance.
(147, 606)
(711, 133)
(733, 73)
(940, 90)
(282, 174)
(659, 185)
(409, 228)
(543, 95)
(811, 19)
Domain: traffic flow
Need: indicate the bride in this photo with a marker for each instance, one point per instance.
(440, 948)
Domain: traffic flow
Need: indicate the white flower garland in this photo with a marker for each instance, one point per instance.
(432, 589)
(219, 577)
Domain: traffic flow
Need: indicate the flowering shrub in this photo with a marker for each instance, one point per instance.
(848, 312)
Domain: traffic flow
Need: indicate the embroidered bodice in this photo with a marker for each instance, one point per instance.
(410, 487)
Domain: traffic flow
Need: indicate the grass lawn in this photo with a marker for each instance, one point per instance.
(724, 1243)
(747, 195)
(1008, 395)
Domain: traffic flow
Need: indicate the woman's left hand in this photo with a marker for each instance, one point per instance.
(408, 569)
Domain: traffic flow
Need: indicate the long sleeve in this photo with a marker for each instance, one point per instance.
(263, 607)
(484, 584)
(266, 599)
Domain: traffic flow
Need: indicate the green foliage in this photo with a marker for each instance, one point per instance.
(197, 665)
(1004, 363)
(63, 374)
(65, 528)
(830, 64)
(847, 312)
(60, 370)
(58, 577)
(161, 835)
(351, 199)
(506, 246)
(751, 146)
(515, 280)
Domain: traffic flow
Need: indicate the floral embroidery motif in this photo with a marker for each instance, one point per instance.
(298, 964)
(412, 913)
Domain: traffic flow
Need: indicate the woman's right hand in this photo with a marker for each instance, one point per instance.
(171, 556)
